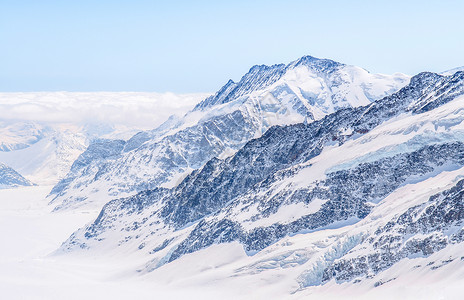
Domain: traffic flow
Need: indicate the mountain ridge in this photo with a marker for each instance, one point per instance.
(208, 223)
(323, 191)
(222, 124)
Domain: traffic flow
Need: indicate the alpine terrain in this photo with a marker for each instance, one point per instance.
(313, 179)
(348, 192)
(301, 92)
(10, 178)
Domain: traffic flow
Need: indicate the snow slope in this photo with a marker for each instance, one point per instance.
(452, 71)
(28, 271)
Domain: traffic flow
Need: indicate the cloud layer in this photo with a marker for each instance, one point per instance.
(131, 109)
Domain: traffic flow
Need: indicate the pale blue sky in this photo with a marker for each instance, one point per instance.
(196, 46)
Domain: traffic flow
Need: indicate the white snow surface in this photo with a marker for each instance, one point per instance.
(29, 269)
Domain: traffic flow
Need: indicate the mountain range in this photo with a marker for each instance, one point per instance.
(43, 133)
(305, 90)
(303, 178)
(300, 179)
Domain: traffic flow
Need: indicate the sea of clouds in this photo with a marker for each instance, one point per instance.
(132, 109)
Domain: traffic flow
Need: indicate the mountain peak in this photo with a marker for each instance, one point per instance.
(314, 62)
(262, 76)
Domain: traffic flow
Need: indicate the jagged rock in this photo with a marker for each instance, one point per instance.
(421, 230)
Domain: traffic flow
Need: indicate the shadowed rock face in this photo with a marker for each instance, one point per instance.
(347, 194)
(421, 230)
(220, 181)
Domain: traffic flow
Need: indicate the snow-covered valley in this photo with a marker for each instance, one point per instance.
(29, 270)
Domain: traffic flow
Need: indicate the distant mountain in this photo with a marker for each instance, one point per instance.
(452, 71)
(43, 133)
(9, 178)
(19, 135)
(303, 91)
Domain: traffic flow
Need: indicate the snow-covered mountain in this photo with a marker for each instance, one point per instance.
(308, 180)
(9, 178)
(16, 136)
(338, 199)
(45, 157)
(42, 134)
(303, 91)
(452, 71)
